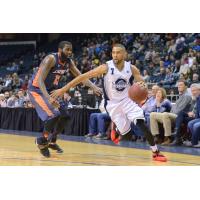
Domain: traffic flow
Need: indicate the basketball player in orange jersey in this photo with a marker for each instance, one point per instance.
(46, 79)
(122, 110)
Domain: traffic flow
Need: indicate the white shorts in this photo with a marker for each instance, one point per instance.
(123, 113)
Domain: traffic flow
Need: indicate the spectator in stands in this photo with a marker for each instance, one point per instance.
(177, 66)
(172, 47)
(146, 76)
(161, 75)
(97, 123)
(186, 116)
(25, 83)
(13, 68)
(149, 105)
(1, 84)
(21, 99)
(6, 95)
(191, 57)
(162, 105)
(194, 70)
(2, 101)
(167, 62)
(8, 83)
(169, 79)
(29, 104)
(194, 127)
(67, 98)
(184, 69)
(16, 81)
(195, 78)
(182, 104)
(12, 101)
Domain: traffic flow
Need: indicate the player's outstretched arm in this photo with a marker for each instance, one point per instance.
(75, 71)
(102, 69)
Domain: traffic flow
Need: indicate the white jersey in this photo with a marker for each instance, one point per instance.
(120, 107)
(116, 83)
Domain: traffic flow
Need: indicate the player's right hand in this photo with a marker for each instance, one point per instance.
(142, 84)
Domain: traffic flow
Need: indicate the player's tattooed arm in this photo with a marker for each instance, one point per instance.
(102, 69)
(45, 67)
(47, 63)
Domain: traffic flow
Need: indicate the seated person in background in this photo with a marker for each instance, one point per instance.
(150, 103)
(13, 101)
(162, 105)
(185, 117)
(67, 98)
(77, 98)
(3, 102)
(90, 98)
(194, 127)
(166, 118)
(169, 79)
(97, 123)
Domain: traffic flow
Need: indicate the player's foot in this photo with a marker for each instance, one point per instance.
(55, 147)
(42, 146)
(115, 136)
(157, 156)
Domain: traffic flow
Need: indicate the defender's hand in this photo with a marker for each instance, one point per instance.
(97, 90)
(57, 93)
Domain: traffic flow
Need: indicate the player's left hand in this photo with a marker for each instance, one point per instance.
(97, 90)
(57, 93)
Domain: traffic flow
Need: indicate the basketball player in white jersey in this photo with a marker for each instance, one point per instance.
(122, 110)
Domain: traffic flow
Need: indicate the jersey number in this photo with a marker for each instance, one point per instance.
(56, 80)
(112, 69)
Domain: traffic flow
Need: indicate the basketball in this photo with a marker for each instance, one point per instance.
(138, 93)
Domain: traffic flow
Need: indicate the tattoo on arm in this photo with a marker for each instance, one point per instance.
(45, 67)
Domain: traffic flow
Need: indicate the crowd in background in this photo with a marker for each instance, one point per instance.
(169, 64)
(163, 59)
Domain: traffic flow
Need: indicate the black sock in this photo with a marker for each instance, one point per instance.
(127, 136)
(58, 128)
(60, 125)
(50, 124)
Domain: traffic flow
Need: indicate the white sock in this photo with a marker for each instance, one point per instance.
(154, 148)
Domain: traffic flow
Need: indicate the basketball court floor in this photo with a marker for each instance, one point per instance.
(18, 149)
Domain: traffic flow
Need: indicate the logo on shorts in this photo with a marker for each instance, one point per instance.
(120, 84)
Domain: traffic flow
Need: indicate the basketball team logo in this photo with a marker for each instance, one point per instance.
(120, 84)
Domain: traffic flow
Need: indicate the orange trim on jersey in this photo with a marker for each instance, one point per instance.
(35, 80)
(41, 103)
